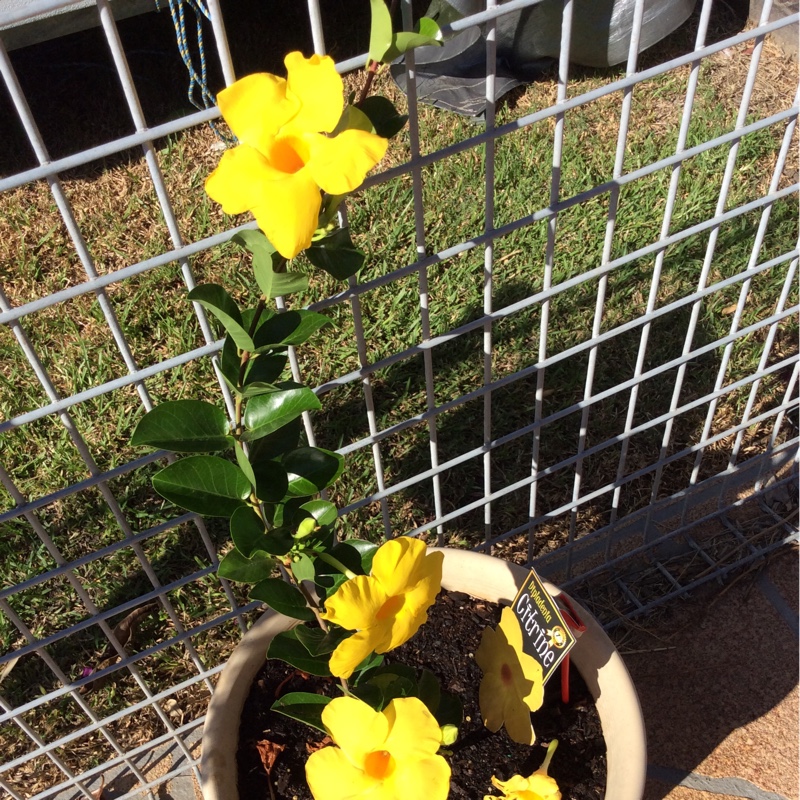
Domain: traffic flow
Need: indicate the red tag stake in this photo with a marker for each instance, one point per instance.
(574, 621)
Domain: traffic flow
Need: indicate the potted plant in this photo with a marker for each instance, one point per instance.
(299, 154)
(480, 576)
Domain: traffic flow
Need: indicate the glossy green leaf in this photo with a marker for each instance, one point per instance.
(304, 707)
(265, 258)
(272, 482)
(384, 116)
(267, 413)
(322, 511)
(356, 554)
(261, 374)
(283, 513)
(450, 710)
(278, 541)
(370, 662)
(224, 308)
(427, 34)
(286, 647)
(393, 686)
(283, 597)
(353, 118)
(289, 328)
(330, 207)
(236, 567)
(247, 530)
(185, 426)
(369, 693)
(207, 485)
(311, 469)
(429, 690)
(303, 568)
(336, 254)
(319, 642)
(244, 463)
(274, 445)
(284, 283)
(380, 34)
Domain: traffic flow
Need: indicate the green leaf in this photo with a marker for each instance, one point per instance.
(286, 647)
(370, 662)
(289, 328)
(278, 541)
(398, 670)
(426, 35)
(356, 554)
(284, 283)
(283, 597)
(330, 582)
(336, 254)
(370, 694)
(384, 116)
(272, 482)
(230, 363)
(261, 373)
(320, 643)
(380, 34)
(236, 567)
(247, 530)
(304, 707)
(185, 426)
(429, 690)
(450, 710)
(322, 511)
(311, 469)
(207, 485)
(283, 513)
(267, 413)
(303, 568)
(244, 463)
(393, 686)
(329, 209)
(265, 258)
(353, 119)
(224, 308)
(276, 444)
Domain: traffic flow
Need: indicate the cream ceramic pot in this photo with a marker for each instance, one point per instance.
(483, 577)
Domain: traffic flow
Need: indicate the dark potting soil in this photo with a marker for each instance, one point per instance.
(444, 645)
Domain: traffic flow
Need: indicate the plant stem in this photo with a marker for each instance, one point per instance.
(336, 564)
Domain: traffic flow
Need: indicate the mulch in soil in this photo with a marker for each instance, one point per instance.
(445, 645)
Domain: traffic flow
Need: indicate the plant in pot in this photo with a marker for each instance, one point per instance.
(337, 607)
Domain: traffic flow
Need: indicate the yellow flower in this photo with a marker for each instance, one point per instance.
(387, 607)
(284, 158)
(512, 686)
(539, 786)
(380, 755)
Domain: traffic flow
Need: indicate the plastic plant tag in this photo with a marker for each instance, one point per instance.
(546, 636)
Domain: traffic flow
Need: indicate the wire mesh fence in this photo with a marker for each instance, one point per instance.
(574, 345)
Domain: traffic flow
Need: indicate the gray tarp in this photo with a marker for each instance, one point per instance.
(453, 76)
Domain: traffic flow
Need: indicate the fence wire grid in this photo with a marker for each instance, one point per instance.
(574, 346)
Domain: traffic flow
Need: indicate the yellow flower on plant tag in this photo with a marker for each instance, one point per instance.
(539, 786)
(284, 156)
(512, 687)
(387, 607)
(380, 755)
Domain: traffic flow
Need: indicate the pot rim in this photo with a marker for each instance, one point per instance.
(487, 578)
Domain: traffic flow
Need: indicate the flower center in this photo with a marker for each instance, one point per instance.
(506, 676)
(379, 764)
(286, 154)
(390, 608)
